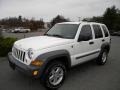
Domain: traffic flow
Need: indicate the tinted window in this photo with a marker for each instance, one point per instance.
(64, 30)
(86, 33)
(105, 31)
(98, 32)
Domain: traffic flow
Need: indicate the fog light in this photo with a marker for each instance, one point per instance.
(35, 73)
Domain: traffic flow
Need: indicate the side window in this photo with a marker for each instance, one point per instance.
(86, 33)
(98, 31)
(105, 30)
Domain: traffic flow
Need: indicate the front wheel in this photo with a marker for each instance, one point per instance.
(54, 75)
(102, 58)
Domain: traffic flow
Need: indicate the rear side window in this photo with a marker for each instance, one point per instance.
(98, 31)
(86, 33)
(105, 31)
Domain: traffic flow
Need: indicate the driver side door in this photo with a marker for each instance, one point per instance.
(84, 48)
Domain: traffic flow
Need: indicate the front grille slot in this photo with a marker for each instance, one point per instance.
(19, 54)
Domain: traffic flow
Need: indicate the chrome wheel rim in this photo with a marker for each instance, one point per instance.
(56, 75)
(104, 57)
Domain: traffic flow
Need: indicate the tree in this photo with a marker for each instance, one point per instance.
(34, 25)
(110, 17)
(58, 19)
(0, 32)
(117, 23)
(20, 20)
(13, 22)
(94, 19)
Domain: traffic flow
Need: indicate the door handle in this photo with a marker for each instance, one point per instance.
(91, 42)
(103, 40)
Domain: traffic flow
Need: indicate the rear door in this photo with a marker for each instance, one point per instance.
(98, 36)
(106, 33)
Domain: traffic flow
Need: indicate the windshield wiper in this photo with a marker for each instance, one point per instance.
(56, 35)
(48, 34)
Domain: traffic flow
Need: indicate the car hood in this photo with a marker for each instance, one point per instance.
(41, 42)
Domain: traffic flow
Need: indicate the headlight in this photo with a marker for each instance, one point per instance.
(30, 53)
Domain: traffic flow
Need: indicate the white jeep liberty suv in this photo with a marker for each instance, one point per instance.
(65, 45)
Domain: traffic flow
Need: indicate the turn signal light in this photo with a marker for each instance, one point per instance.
(37, 62)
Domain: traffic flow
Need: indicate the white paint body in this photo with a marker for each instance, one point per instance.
(44, 44)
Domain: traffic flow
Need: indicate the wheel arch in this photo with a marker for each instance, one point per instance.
(58, 55)
(105, 46)
(61, 58)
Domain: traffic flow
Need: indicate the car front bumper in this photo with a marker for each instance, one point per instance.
(26, 69)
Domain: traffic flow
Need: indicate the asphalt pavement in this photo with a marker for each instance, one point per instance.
(87, 76)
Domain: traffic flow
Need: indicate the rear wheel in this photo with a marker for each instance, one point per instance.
(101, 60)
(54, 75)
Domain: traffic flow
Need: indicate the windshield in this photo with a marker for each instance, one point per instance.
(63, 31)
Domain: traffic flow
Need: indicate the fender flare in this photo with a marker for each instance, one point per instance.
(49, 56)
(106, 46)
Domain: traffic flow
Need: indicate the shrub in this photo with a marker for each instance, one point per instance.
(6, 45)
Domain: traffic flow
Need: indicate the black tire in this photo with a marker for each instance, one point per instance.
(102, 58)
(46, 76)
